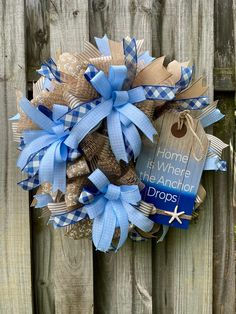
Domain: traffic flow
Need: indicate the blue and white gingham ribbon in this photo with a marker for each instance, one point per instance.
(123, 117)
(29, 183)
(214, 163)
(185, 79)
(49, 70)
(68, 218)
(45, 152)
(195, 103)
(113, 208)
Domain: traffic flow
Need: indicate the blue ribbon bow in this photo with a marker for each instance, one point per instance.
(45, 147)
(113, 208)
(117, 106)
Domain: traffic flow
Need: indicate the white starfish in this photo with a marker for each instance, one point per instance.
(175, 215)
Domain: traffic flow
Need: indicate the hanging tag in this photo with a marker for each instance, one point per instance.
(171, 169)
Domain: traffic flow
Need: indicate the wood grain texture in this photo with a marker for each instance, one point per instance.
(42, 253)
(73, 267)
(130, 269)
(182, 265)
(37, 30)
(15, 264)
(224, 185)
(224, 53)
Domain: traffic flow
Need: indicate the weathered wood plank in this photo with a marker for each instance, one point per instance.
(129, 269)
(15, 264)
(224, 185)
(73, 268)
(37, 30)
(224, 53)
(183, 262)
(38, 49)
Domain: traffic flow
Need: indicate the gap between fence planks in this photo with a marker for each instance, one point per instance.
(15, 265)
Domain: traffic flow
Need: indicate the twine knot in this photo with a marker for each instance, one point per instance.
(185, 118)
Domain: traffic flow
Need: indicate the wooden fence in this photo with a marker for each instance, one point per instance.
(190, 272)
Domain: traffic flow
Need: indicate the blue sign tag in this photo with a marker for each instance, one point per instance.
(171, 169)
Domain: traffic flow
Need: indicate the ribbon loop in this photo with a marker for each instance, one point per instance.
(117, 75)
(102, 85)
(113, 192)
(120, 98)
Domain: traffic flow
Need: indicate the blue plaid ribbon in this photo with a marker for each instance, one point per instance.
(186, 77)
(49, 70)
(222, 165)
(68, 218)
(75, 115)
(113, 208)
(196, 103)
(86, 197)
(32, 166)
(130, 53)
(30, 183)
(214, 163)
(159, 92)
(192, 103)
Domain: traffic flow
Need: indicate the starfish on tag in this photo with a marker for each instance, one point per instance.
(175, 215)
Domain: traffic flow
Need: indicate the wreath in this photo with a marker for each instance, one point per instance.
(84, 137)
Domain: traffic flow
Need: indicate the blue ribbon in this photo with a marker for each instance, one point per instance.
(113, 208)
(123, 118)
(43, 200)
(194, 103)
(51, 138)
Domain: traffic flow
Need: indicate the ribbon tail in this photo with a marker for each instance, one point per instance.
(123, 222)
(46, 168)
(139, 119)
(87, 123)
(137, 218)
(116, 136)
(36, 115)
(59, 179)
(42, 200)
(104, 228)
(132, 136)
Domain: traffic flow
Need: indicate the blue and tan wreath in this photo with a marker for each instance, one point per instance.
(81, 134)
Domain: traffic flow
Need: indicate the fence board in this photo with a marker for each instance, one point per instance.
(38, 50)
(73, 267)
(224, 259)
(15, 265)
(37, 30)
(183, 263)
(131, 268)
(177, 276)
